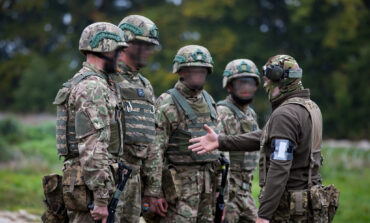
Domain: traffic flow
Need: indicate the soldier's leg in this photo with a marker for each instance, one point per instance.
(186, 208)
(129, 204)
(79, 216)
(206, 207)
(234, 204)
(249, 209)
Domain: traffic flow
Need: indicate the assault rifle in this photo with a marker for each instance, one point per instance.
(121, 185)
(220, 202)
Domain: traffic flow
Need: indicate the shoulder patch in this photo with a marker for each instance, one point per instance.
(282, 149)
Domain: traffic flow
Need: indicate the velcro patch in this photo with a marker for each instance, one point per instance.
(140, 92)
(283, 149)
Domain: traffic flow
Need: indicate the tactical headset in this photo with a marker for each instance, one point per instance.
(276, 73)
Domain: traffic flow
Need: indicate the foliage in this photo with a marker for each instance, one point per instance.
(330, 39)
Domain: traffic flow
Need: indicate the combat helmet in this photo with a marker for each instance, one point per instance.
(101, 37)
(282, 67)
(240, 68)
(137, 27)
(193, 56)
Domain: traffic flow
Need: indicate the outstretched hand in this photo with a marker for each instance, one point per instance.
(205, 143)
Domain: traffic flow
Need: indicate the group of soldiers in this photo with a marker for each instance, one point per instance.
(107, 114)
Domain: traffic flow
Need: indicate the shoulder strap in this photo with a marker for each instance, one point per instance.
(180, 101)
(316, 137)
(81, 77)
(207, 97)
(233, 108)
(144, 80)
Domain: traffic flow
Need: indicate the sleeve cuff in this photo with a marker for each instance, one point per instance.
(101, 197)
(152, 192)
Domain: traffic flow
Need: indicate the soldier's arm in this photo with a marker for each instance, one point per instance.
(243, 142)
(222, 125)
(282, 126)
(154, 164)
(93, 132)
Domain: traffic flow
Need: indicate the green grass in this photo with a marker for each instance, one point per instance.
(27, 153)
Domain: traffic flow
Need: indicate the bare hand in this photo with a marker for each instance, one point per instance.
(156, 205)
(261, 220)
(205, 143)
(100, 213)
(162, 207)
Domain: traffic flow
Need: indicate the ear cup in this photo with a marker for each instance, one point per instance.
(274, 73)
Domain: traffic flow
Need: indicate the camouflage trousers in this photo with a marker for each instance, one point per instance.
(129, 204)
(241, 206)
(195, 190)
(80, 216)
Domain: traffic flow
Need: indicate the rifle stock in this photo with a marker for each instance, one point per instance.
(220, 202)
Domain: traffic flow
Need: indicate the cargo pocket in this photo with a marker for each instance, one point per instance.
(52, 185)
(319, 203)
(333, 193)
(171, 186)
(75, 192)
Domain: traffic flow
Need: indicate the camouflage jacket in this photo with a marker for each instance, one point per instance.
(149, 155)
(230, 124)
(94, 99)
(169, 118)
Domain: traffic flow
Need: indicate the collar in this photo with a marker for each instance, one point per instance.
(305, 93)
(93, 68)
(187, 92)
(126, 71)
(230, 99)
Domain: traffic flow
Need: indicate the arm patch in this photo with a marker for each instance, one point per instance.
(282, 149)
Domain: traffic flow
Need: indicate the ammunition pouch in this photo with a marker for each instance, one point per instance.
(298, 203)
(56, 210)
(75, 192)
(240, 182)
(324, 202)
(171, 189)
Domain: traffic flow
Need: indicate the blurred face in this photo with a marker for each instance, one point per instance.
(139, 52)
(111, 61)
(271, 88)
(243, 88)
(193, 77)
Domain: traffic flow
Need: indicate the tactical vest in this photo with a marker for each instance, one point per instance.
(177, 150)
(138, 115)
(316, 139)
(66, 128)
(247, 160)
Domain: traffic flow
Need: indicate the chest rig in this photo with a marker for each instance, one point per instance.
(177, 150)
(245, 160)
(316, 139)
(67, 144)
(137, 114)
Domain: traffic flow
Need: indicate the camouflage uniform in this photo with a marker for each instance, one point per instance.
(137, 98)
(86, 126)
(233, 120)
(189, 179)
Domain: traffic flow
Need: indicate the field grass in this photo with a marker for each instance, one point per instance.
(27, 153)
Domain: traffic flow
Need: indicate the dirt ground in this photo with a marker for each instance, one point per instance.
(21, 216)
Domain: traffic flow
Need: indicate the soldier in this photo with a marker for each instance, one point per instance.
(87, 124)
(189, 179)
(290, 150)
(137, 98)
(236, 117)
